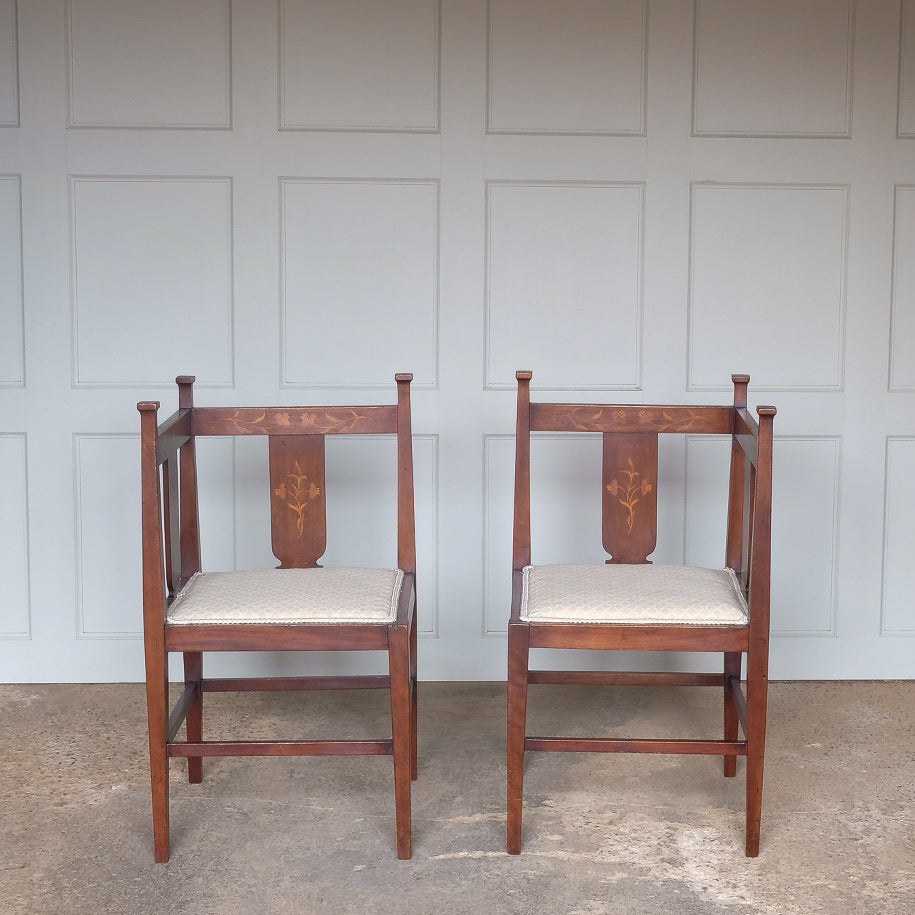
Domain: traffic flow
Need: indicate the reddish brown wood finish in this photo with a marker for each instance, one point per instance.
(297, 486)
(171, 555)
(630, 509)
(630, 494)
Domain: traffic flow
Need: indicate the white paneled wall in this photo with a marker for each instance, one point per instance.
(296, 199)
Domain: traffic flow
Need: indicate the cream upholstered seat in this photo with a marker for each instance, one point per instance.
(643, 594)
(288, 597)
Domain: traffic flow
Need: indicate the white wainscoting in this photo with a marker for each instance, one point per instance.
(293, 200)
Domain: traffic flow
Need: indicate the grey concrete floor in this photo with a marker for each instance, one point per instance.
(602, 834)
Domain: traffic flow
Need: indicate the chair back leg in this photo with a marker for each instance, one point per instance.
(402, 733)
(193, 673)
(732, 664)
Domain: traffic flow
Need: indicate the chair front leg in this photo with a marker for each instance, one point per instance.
(518, 654)
(414, 702)
(157, 713)
(757, 711)
(399, 639)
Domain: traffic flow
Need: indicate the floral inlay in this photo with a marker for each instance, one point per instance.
(297, 494)
(591, 418)
(629, 492)
(243, 424)
(340, 419)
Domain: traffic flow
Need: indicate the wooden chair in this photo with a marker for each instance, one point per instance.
(298, 606)
(630, 604)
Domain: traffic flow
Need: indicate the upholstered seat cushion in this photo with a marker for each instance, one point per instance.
(632, 595)
(289, 596)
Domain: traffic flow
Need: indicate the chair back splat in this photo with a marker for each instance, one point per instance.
(630, 603)
(297, 606)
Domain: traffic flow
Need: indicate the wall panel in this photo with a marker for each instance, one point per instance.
(564, 283)
(567, 66)
(160, 250)
(906, 118)
(755, 75)
(172, 59)
(107, 480)
(898, 614)
(351, 65)
(9, 65)
(12, 364)
(359, 279)
(15, 606)
(806, 498)
(767, 286)
(902, 335)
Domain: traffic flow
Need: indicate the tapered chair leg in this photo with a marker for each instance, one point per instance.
(732, 662)
(757, 698)
(193, 673)
(518, 651)
(157, 711)
(414, 702)
(401, 730)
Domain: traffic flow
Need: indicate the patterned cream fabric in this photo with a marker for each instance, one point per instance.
(289, 596)
(632, 594)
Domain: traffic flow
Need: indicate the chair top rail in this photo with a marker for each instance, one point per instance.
(631, 418)
(371, 420)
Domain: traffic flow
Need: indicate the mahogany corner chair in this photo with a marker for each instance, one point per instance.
(630, 604)
(298, 606)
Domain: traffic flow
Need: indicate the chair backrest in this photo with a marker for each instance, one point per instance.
(296, 446)
(630, 471)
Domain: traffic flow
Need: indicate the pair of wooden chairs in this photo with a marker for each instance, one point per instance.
(627, 603)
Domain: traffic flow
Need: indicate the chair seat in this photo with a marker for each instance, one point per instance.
(632, 595)
(288, 597)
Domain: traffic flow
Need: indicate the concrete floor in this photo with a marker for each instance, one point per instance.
(602, 834)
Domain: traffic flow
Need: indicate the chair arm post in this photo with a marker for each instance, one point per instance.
(761, 559)
(188, 503)
(151, 516)
(521, 535)
(406, 511)
(740, 382)
(739, 481)
(185, 391)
